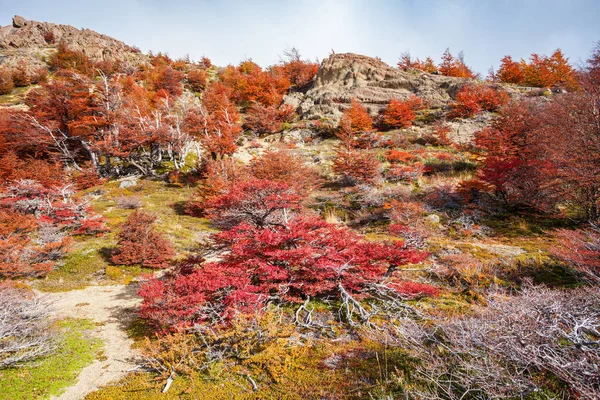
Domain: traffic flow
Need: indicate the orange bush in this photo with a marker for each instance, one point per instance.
(356, 118)
(473, 99)
(401, 114)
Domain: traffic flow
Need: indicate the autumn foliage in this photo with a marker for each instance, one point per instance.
(306, 257)
(401, 114)
(473, 99)
(540, 71)
(356, 119)
(139, 243)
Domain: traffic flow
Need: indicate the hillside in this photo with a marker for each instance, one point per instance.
(173, 229)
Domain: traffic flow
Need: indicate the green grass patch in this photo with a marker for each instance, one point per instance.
(50, 375)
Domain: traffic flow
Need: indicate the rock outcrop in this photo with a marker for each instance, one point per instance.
(343, 77)
(34, 40)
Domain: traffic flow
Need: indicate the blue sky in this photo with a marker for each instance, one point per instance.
(230, 31)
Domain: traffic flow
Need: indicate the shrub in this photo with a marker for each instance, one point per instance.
(581, 249)
(259, 202)
(356, 118)
(401, 114)
(284, 166)
(355, 166)
(196, 79)
(25, 327)
(139, 243)
(473, 99)
(306, 257)
(6, 81)
(262, 119)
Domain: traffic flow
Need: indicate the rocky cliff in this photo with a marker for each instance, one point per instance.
(34, 40)
(342, 77)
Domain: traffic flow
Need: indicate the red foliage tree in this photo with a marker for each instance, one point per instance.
(258, 202)
(407, 63)
(306, 258)
(511, 165)
(20, 75)
(168, 79)
(401, 114)
(473, 99)
(300, 73)
(249, 83)
(262, 119)
(544, 71)
(220, 176)
(64, 58)
(139, 243)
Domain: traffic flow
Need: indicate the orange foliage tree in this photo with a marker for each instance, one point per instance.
(250, 83)
(297, 71)
(216, 124)
(356, 118)
(455, 67)
(407, 63)
(401, 114)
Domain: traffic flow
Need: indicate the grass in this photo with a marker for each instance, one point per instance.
(50, 375)
(88, 263)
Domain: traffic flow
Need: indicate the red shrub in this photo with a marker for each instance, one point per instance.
(355, 166)
(398, 156)
(412, 290)
(258, 202)
(196, 79)
(473, 99)
(6, 81)
(401, 114)
(220, 177)
(139, 243)
(308, 257)
(284, 166)
(262, 119)
(455, 67)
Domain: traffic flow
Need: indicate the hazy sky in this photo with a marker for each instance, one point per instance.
(229, 31)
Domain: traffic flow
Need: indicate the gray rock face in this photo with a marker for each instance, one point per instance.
(343, 77)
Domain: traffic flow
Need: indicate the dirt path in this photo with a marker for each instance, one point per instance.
(113, 308)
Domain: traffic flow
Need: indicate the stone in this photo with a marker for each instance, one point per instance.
(433, 219)
(18, 21)
(127, 183)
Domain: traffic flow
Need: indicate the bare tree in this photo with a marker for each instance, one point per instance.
(25, 332)
(507, 349)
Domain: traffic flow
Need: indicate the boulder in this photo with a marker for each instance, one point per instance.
(127, 183)
(18, 21)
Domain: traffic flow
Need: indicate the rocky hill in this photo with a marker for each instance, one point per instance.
(34, 40)
(342, 77)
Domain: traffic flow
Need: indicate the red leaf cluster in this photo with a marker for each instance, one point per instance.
(139, 243)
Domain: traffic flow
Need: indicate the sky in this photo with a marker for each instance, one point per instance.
(231, 31)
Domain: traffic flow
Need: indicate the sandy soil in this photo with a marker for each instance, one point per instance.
(112, 308)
